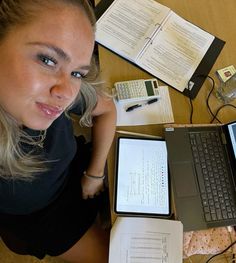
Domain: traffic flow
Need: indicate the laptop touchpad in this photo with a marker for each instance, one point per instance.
(184, 180)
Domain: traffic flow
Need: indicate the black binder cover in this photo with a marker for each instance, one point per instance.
(203, 68)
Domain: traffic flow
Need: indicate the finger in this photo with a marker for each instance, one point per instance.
(84, 197)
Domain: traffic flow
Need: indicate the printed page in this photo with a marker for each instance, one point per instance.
(146, 240)
(127, 26)
(142, 177)
(176, 51)
(156, 113)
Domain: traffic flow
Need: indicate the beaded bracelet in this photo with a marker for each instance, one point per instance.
(93, 176)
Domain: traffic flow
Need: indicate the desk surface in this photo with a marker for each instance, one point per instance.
(218, 18)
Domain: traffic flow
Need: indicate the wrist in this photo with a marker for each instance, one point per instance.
(91, 176)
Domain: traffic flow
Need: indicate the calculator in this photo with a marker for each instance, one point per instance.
(136, 90)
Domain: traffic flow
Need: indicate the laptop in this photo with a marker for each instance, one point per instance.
(202, 163)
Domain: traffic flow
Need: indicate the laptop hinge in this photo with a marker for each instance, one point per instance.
(223, 138)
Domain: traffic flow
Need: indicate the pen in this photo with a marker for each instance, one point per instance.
(141, 105)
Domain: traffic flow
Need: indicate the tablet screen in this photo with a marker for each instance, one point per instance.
(142, 181)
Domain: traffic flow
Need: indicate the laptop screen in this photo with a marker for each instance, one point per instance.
(142, 182)
(232, 136)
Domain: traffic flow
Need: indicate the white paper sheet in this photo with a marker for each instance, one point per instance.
(146, 240)
(176, 52)
(128, 25)
(156, 113)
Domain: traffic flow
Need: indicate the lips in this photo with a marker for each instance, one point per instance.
(49, 111)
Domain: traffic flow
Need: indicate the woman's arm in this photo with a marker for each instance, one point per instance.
(104, 124)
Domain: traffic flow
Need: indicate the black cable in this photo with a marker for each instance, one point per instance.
(190, 99)
(221, 252)
(214, 116)
(208, 98)
(220, 108)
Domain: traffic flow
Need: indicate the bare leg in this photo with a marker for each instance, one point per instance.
(93, 247)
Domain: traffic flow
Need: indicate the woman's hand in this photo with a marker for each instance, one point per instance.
(91, 187)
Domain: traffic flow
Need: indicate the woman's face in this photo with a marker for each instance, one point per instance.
(41, 65)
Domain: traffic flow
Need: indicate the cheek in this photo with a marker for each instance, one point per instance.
(32, 84)
(76, 88)
(76, 95)
(28, 78)
(23, 80)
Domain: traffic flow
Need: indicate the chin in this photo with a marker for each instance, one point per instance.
(38, 125)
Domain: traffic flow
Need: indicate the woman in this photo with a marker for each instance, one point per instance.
(49, 187)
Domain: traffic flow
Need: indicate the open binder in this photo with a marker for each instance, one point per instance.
(156, 39)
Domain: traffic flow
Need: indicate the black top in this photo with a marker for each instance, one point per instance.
(24, 197)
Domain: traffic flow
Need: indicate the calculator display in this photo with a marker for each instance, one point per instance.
(149, 88)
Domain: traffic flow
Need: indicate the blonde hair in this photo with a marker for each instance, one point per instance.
(14, 162)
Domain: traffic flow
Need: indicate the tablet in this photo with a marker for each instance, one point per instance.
(142, 185)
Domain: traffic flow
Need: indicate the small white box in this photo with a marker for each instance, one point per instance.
(226, 73)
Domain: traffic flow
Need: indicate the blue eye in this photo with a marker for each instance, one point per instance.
(47, 60)
(77, 74)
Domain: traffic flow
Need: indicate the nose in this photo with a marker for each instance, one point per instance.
(64, 89)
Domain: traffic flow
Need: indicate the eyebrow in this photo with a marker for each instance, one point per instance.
(59, 52)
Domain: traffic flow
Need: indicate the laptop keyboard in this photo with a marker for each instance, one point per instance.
(212, 176)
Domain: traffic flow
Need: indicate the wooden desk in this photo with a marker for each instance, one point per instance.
(215, 16)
